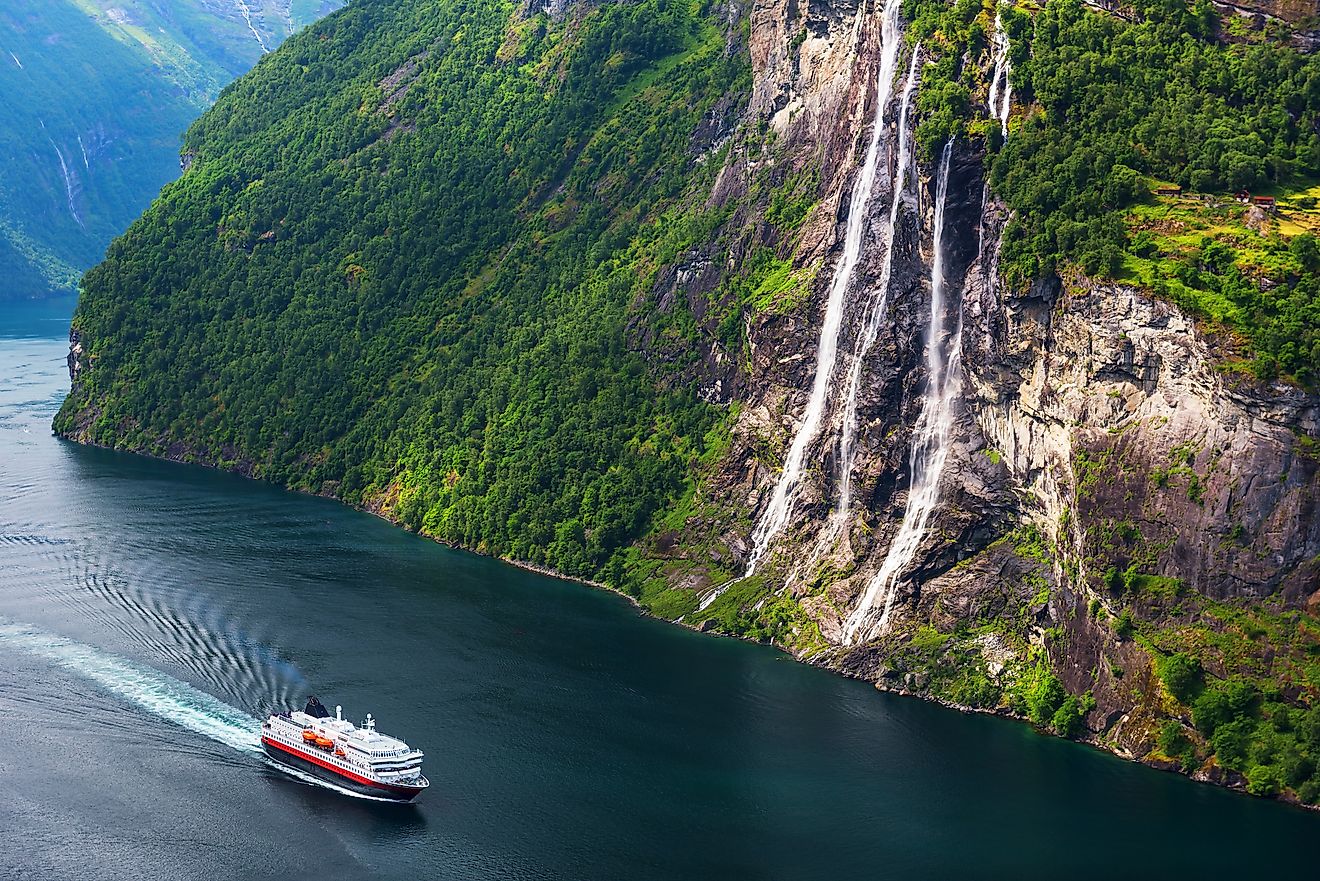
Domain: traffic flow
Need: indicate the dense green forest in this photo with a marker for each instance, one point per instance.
(1110, 108)
(404, 264)
(400, 272)
(1115, 106)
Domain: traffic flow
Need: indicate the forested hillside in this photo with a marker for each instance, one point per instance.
(96, 94)
(400, 267)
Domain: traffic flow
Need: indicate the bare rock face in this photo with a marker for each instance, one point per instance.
(1109, 405)
(1098, 443)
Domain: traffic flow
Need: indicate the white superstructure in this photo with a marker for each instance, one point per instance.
(366, 759)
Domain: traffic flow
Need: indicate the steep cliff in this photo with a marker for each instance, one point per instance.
(880, 331)
(1068, 500)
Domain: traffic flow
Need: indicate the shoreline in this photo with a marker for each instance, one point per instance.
(1238, 786)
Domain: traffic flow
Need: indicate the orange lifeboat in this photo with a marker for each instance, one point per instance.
(340, 752)
(309, 736)
(324, 742)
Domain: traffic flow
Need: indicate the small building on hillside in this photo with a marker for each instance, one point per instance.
(1266, 202)
(1168, 191)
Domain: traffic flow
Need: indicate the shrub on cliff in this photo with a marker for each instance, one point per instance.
(1181, 674)
(1223, 703)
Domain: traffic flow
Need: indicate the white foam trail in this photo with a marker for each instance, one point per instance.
(159, 694)
(879, 306)
(929, 441)
(16, 61)
(87, 165)
(326, 784)
(790, 478)
(247, 17)
(999, 102)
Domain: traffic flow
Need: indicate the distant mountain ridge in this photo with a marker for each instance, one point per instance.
(97, 95)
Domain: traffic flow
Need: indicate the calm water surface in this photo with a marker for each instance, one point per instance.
(566, 737)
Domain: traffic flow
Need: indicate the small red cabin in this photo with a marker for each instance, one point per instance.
(1263, 202)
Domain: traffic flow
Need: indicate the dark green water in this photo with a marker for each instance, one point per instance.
(566, 737)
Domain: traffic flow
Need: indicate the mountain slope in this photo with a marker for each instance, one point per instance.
(882, 332)
(99, 93)
(400, 265)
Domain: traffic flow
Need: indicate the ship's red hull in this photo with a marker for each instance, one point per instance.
(315, 765)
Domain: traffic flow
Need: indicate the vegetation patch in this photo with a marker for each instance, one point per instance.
(1112, 123)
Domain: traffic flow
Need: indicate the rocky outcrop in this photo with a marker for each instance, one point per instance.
(1102, 444)
(1108, 403)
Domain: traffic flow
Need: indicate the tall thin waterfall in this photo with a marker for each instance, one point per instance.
(929, 440)
(790, 479)
(244, 11)
(1001, 96)
(71, 186)
(880, 305)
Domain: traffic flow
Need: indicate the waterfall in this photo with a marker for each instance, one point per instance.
(244, 11)
(71, 186)
(929, 440)
(871, 329)
(997, 106)
(1000, 99)
(781, 501)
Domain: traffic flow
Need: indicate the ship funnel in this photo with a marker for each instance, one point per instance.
(339, 713)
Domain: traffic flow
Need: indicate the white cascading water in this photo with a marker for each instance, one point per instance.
(244, 11)
(71, 187)
(1001, 97)
(929, 442)
(781, 501)
(871, 328)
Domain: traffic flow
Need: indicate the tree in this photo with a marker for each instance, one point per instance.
(1181, 674)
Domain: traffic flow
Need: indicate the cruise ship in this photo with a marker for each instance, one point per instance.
(335, 750)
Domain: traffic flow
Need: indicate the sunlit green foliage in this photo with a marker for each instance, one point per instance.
(401, 272)
(97, 93)
(1113, 105)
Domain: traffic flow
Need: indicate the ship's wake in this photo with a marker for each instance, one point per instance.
(157, 693)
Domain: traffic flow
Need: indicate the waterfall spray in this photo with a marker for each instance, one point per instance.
(879, 307)
(244, 11)
(1000, 98)
(790, 479)
(929, 440)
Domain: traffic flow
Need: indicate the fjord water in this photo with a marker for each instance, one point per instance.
(566, 737)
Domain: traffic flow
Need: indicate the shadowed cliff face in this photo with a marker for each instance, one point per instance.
(1100, 457)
